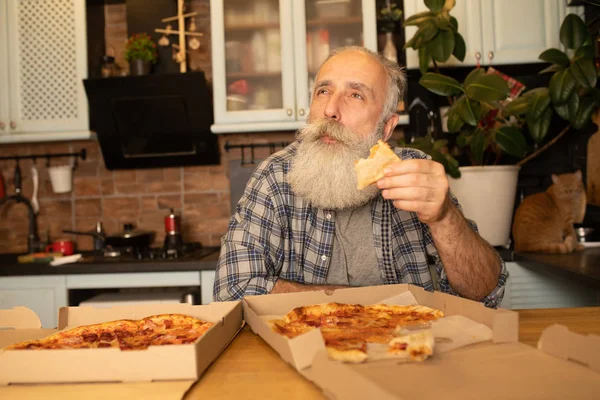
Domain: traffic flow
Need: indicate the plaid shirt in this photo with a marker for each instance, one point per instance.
(276, 234)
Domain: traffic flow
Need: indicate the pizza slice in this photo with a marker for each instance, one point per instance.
(370, 170)
(418, 346)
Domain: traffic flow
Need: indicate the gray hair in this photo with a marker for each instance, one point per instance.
(396, 78)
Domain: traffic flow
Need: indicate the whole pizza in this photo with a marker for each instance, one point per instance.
(156, 330)
(347, 328)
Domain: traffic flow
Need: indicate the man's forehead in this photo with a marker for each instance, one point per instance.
(351, 67)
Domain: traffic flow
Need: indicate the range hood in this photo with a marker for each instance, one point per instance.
(153, 121)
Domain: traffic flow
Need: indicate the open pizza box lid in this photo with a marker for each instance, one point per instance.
(156, 363)
(20, 323)
(565, 365)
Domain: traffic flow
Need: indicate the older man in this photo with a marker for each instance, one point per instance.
(302, 224)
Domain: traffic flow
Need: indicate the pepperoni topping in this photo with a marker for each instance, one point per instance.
(90, 337)
(168, 323)
(102, 345)
(107, 336)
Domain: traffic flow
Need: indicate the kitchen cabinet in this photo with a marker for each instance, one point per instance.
(265, 55)
(42, 294)
(43, 61)
(499, 31)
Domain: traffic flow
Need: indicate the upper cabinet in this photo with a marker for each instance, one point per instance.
(265, 54)
(499, 31)
(43, 62)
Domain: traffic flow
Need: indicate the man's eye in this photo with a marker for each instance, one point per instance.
(321, 91)
(357, 96)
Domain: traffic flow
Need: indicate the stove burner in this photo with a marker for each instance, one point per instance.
(155, 253)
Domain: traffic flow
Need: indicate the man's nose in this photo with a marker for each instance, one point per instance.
(332, 109)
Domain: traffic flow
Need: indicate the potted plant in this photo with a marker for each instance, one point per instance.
(141, 53)
(490, 128)
(387, 18)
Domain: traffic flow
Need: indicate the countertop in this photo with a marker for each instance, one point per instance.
(250, 368)
(90, 265)
(581, 266)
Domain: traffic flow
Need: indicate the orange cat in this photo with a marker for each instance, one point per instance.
(544, 221)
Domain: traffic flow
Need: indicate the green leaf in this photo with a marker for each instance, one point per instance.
(439, 144)
(539, 128)
(473, 76)
(518, 106)
(584, 114)
(573, 32)
(538, 104)
(435, 5)
(488, 87)
(595, 94)
(443, 22)
(464, 138)
(419, 18)
(460, 47)
(440, 84)
(454, 24)
(442, 46)
(451, 166)
(416, 41)
(552, 68)
(424, 58)
(428, 31)
(454, 122)
(478, 146)
(585, 73)
(463, 108)
(572, 106)
(563, 111)
(555, 56)
(585, 52)
(511, 141)
(561, 86)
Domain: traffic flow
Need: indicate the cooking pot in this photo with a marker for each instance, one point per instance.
(129, 237)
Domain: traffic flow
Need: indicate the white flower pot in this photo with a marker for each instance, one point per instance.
(487, 196)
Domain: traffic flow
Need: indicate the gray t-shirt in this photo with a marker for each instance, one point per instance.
(354, 262)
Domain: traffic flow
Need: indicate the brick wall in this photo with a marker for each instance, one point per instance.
(142, 197)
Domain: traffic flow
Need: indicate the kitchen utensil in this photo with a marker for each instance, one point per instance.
(35, 177)
(61, 178)
(129, 237)
(65, 247)
(65, 260)
(173, 240)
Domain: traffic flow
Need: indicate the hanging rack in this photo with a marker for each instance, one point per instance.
(82, 153)
(243, 146)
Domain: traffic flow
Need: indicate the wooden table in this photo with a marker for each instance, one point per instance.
(249, 368)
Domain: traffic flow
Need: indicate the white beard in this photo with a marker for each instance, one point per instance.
(323, 174)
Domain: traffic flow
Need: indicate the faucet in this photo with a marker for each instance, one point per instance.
(33, 240)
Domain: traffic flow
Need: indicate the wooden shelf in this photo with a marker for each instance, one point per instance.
(241, 75)
(334, 21)
(253, 26)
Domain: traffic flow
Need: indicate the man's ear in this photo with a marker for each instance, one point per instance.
(389, 126)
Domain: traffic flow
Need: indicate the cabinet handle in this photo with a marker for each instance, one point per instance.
(2, 125)
(491, 55)
(289, 112)
(13, 125)
(301, 112)
(478, 55)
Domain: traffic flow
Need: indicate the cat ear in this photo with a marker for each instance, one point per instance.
(554, 179)
(578, 174)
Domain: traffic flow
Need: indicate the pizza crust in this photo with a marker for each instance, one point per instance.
(418, 346)
(355, 356)
(370, 170)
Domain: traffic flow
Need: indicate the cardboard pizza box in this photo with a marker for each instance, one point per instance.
(565, 365)
(157, 363)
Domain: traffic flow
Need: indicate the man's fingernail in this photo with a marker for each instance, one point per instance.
(387, 171)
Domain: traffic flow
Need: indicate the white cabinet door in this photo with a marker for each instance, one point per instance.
(253, 61)
(4, 110)
(42, 294)
(47, 62)
(517, 31)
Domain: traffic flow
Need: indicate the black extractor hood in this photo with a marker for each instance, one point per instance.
(153, 121)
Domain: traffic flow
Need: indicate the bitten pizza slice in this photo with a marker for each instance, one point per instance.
(370, 170)
(418, 346)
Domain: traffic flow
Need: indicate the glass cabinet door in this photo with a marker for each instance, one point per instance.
(327, 25)
(258, 84)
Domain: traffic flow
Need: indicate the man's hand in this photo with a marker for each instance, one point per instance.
(420, 186)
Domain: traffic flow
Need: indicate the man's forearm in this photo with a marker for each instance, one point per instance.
(471, 264)
(283, 286)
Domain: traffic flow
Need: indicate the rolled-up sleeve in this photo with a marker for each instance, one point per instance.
(494, 298)
(247, 263)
